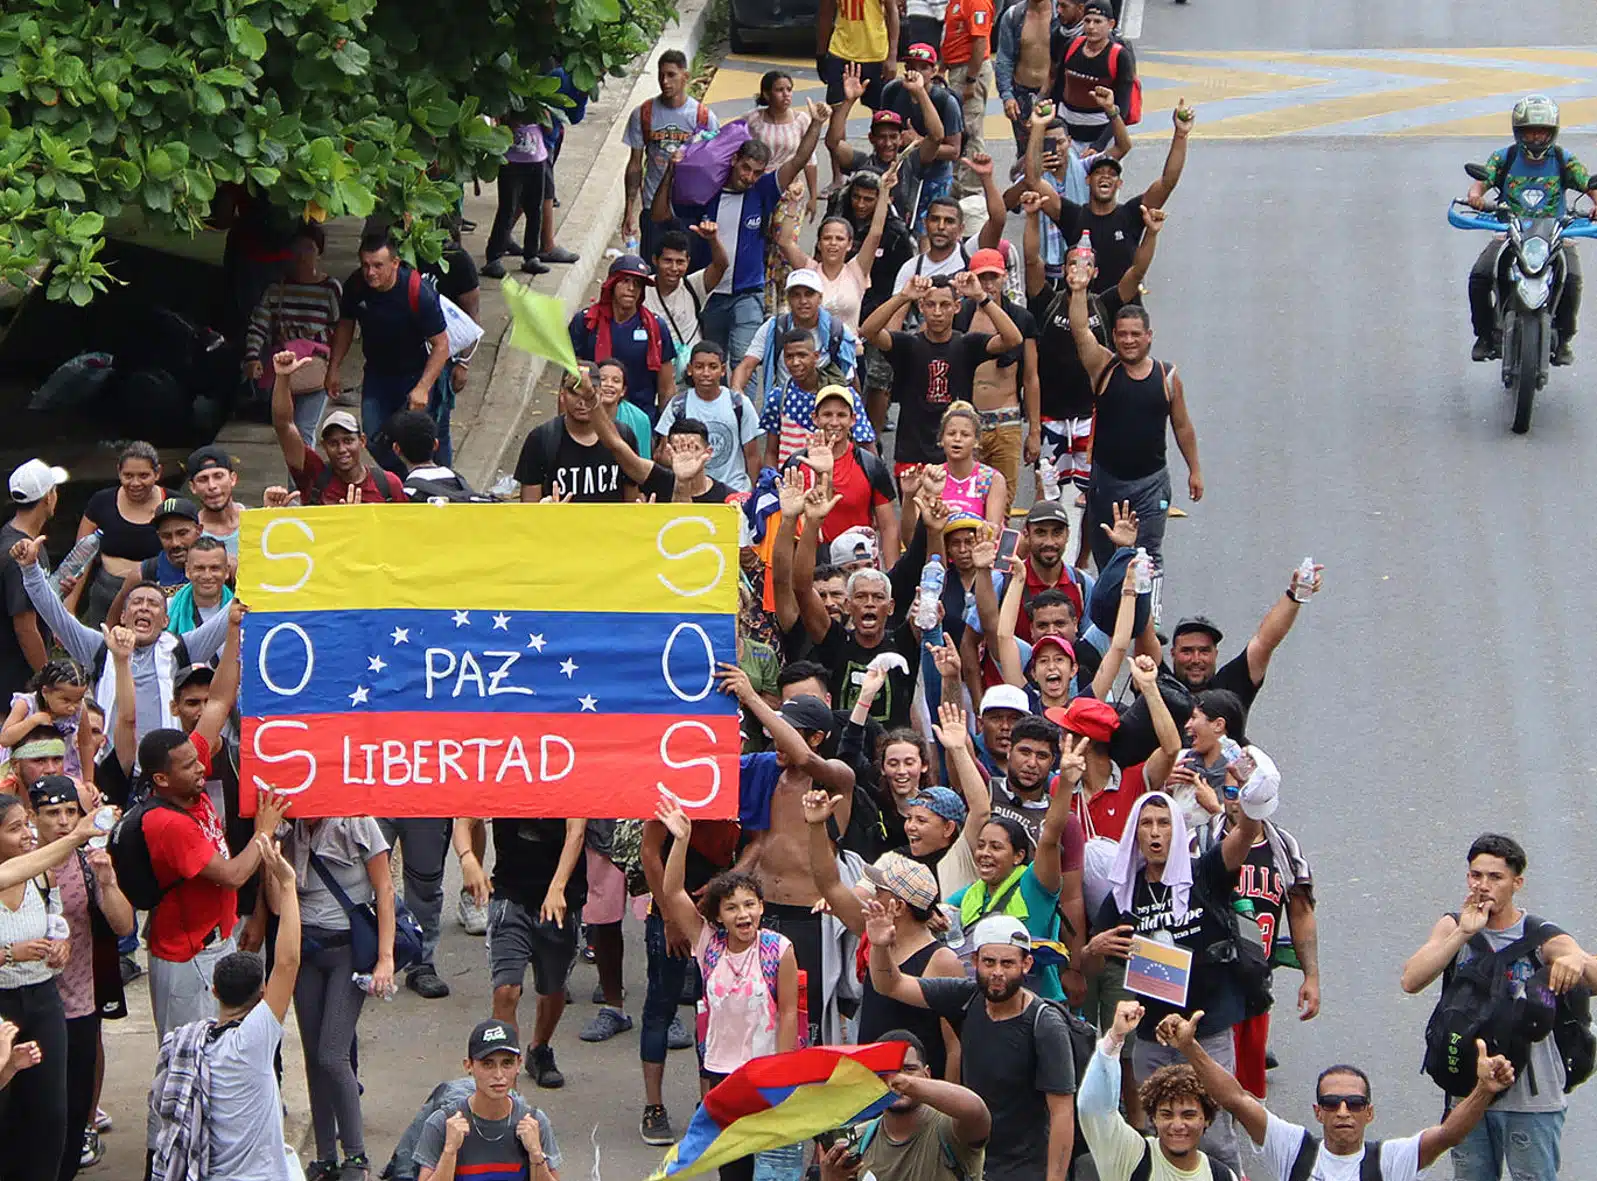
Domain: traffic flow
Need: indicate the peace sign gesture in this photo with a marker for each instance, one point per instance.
(1073, 759)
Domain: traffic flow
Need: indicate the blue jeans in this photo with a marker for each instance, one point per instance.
(439, 404)
(731, 321)
(381, 397)
(1526, 1141)
(666, 974)
(308, 415)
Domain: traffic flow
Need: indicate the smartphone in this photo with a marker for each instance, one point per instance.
(1007, 542)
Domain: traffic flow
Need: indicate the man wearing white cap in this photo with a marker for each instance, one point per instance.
(23, 649)
(836, 345)
(1014, 1046)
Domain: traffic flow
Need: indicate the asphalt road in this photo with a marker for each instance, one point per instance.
(1313, 296)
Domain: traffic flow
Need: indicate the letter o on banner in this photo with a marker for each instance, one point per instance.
(310, 660)
(709, 660)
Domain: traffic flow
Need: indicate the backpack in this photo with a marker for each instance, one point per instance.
(1309, 1156)
(1478, 1001)
(1217, 1171)
(646, 119)
(456, 492)
(1132, 115)
(324, 479)
(679, 410)
(1511, 157)
(830, 372)
(1250, 968)
(130, 854)
(1572, 1034)
(771, 945)
(951, 1160)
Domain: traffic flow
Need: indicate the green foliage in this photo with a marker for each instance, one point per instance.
(325, 108)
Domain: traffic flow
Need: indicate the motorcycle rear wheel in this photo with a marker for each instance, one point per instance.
(1530, 342)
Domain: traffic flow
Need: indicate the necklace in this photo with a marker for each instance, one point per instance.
(477, 1128)
(1153, 892)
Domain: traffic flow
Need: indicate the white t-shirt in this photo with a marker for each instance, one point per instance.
(728, 435)
(1400, 1159)
(680, 313)
(957, 261)
(245, 1113)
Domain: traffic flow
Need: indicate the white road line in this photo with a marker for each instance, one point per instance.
(1131, 20)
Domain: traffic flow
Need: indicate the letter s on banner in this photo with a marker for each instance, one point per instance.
(310, 774)
(287, 556)
(683, 555)
(704, 761)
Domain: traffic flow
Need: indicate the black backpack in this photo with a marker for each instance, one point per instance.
(456, 491)
(1478, 1002)
(1309, 1155)
(130, 854)
(324, 480)
(1572, 1034)
(1144, 1169)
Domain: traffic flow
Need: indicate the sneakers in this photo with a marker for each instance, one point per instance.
(1485, 349)
(355, 1168)
(606, 1023)
(1270, 1060)
(426, 984)
(94, 1152)
(322, 1170)
(472, 917)
(558, 255)
(101, 1122)
(677, 1037)
(131, 969)
(655, 1126)
(1564, 354)
(541, 1066)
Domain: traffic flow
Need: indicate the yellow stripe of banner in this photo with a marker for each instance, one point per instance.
(518, 557)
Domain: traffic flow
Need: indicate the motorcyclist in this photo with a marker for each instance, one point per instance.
(1530, 175)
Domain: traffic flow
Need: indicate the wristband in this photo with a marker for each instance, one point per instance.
(984, 301)
(1292, 594)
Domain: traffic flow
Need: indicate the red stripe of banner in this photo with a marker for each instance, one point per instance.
(492, 765)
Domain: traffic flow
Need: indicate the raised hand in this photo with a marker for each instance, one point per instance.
(1073, 760)
(119, 641)
(915, 82)
(1312, 588)
(1123, 532)
(1153, 219)
(1030, 202)
(1145, 674)
(270, 808)
(878, 924)
(854, 85)
(1183, 117)
(1178, 1032)
(819, 503)
(951, 725)
(818, 455)
(946, 657)
(980, 163)
(820, 112)
(918, 287)
(707, 230)
(669, 813)
(1494, 1071)
(790, 493)
(734, 682)
(909, 481)
(1104, 97)
(26, 551)
(871, 684)
(818, 806)
(968, 285)
(687, 464)
(985, 551)
(286, 363)
(932, 478)
(1128, 1015)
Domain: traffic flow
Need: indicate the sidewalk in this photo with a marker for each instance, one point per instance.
(506, 395)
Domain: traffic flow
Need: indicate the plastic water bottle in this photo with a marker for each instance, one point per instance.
(1143, 564)
(1081, 253)
(363, 981)
(630, 245)
(104, 822)
(1050, 479)
(77, 560)
(931, 593)
(1305, 581)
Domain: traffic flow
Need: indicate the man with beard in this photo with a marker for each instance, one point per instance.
(212, 480)
(1195, 655)
(934, 1130)
(1136, 396)
(1015, 1046)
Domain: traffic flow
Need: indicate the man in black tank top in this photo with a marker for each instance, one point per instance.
(1135, 396)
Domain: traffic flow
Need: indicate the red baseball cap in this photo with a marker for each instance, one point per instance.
(1051, 641)
(987, 262)
(886, 118)
(1087, 716)
(922, 54)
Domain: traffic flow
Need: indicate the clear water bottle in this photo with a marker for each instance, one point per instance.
(77, 559)
(1050, 479)
(1143, 565)
(363, 981)
(931, 593)
(630, 245)
(1305, 581)
(104, 822)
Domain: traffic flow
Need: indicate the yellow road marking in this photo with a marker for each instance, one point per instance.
(1585, 59)
(1577, 113)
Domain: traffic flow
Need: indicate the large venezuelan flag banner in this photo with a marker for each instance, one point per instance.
(490, 660)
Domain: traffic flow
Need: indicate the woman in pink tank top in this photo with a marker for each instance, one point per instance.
(968, 484)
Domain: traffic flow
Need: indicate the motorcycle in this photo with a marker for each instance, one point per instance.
(1527, 289)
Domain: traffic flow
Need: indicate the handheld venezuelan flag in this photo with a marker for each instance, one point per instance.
(538, 324)
(490, 655)
(1159, 970)
(784, 1099)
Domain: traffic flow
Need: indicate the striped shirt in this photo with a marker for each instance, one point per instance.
(292, 311)
(29, 921)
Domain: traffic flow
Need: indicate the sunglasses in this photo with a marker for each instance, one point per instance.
(1231, 791)
(1355, 1103)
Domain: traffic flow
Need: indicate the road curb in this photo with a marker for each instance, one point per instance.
(593, 213)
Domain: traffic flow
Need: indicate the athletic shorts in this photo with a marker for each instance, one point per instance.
(607, 891)
(518, 937)
(1067, 445)
(831, 71)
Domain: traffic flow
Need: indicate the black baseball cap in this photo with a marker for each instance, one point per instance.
(54, 789)
(209, 456)
(176, 506)
(1105, 160)
(200, 674)
(1101, 7)
(807, 712)
(490, 1037)
(1197, 623)
(1047, 510)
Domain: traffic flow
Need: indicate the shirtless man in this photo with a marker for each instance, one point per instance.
(1023, 61)
(771, 789)
(998, 383)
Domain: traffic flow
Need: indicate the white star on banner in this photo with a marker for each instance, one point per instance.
(569, 667)
(401, 635)
(462, 618)
(589, 702)
(501, 622)
(359, 696)
(535, 640)
(376, 663)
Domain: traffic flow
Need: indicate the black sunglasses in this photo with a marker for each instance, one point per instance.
(1355, 1103)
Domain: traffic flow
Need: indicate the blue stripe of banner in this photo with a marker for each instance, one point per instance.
(483, 662)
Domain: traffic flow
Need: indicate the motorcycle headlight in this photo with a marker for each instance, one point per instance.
(1535, 252)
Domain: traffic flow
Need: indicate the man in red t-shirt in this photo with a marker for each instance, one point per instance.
(344, 477)
(860, 478)
(191, 927)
